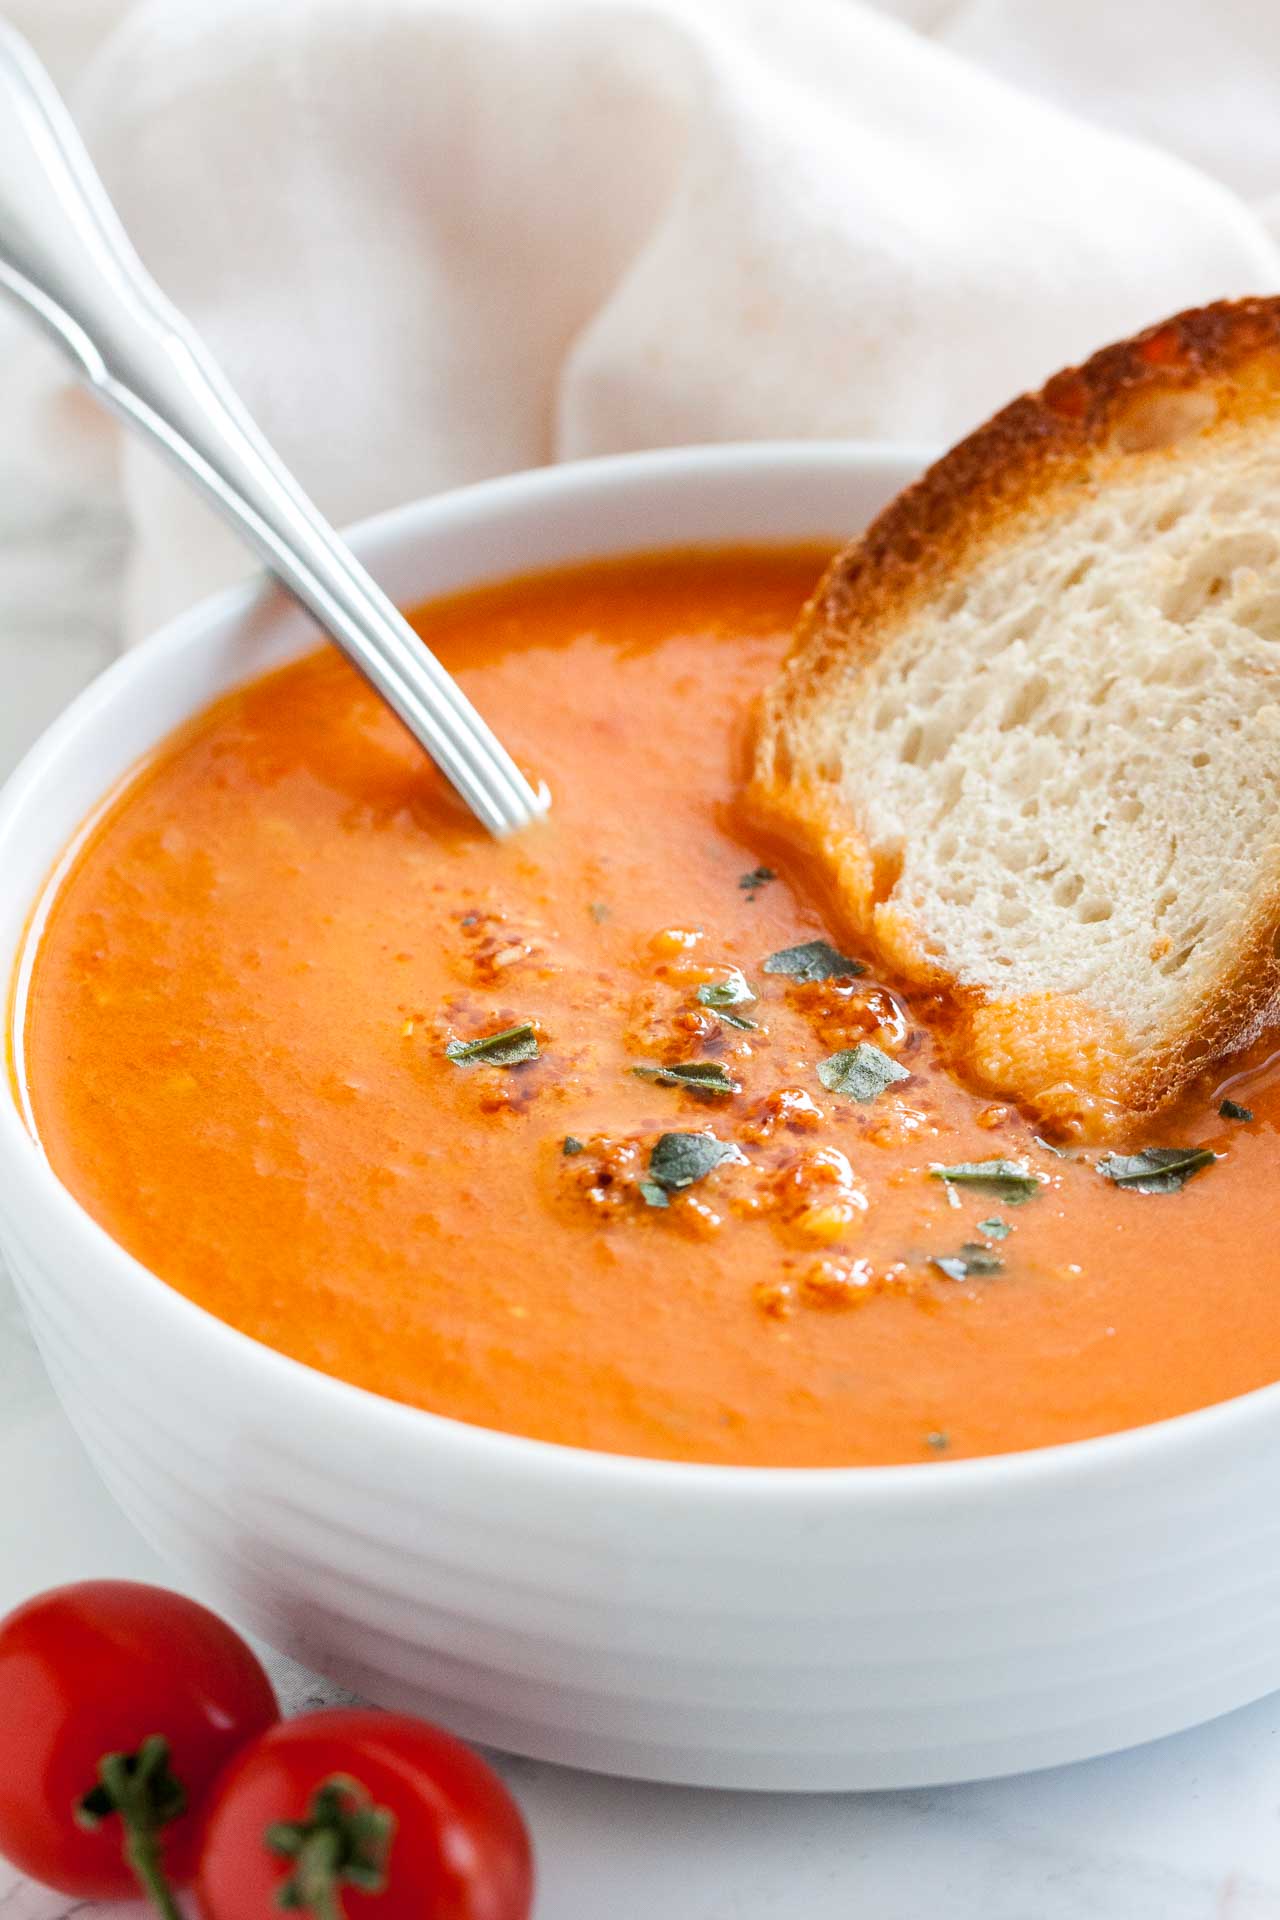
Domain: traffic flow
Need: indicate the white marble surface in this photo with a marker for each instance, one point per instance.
(1185, 1830)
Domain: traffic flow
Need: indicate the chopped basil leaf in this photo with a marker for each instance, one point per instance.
(469, 920)
(571, 1144)
(704, 1077)
(812, 960)
(598, 911)
(862, 1072)
(678, 1159)
(654, 1195)
(972, 1260)
(1011, 1181)
(735, 990)
(505, 1049)
(938, 1441)
(1230, 1110)
(995, 1229)
(1155, 1169)
(752, 882)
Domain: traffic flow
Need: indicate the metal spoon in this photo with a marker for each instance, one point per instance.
(66, 258)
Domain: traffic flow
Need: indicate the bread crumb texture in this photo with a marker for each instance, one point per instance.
(1030, 727)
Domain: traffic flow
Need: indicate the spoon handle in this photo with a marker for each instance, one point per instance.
(66, 258)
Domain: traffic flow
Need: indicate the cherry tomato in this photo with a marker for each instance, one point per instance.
(103, 1668)
(366, 1815)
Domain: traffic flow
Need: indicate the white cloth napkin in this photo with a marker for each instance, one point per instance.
(435, 239)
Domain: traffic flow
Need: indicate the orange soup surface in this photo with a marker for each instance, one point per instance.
(247, 1048)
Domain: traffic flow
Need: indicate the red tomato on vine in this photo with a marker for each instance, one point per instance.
(119, 1706)
(367, 1816)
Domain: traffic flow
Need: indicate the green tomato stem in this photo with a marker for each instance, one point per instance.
(140, 1790)
(343, 1839)
(143, 1855)
(317, 1876)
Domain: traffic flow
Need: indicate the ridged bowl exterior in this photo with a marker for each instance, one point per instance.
(883, 1627)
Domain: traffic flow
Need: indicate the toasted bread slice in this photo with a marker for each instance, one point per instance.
(1030, 726)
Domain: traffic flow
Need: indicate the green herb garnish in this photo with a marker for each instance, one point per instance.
(995, 1229)
(1059, 1153)
(654, 1195)
(812, 960)
(862, 1072)
(571, 1144)
(729, 992)
(1155, 1169)
(1230, 1110)
(972, 1260)
(752, 882)
(1011, 1181)
(707, 1078)
(678, 1159)
(938, 1441)
(735, 990)
(506, 1049)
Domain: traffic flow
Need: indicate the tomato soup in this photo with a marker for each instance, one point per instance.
(601, 1135)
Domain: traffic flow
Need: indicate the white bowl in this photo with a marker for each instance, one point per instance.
(801, 1628)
